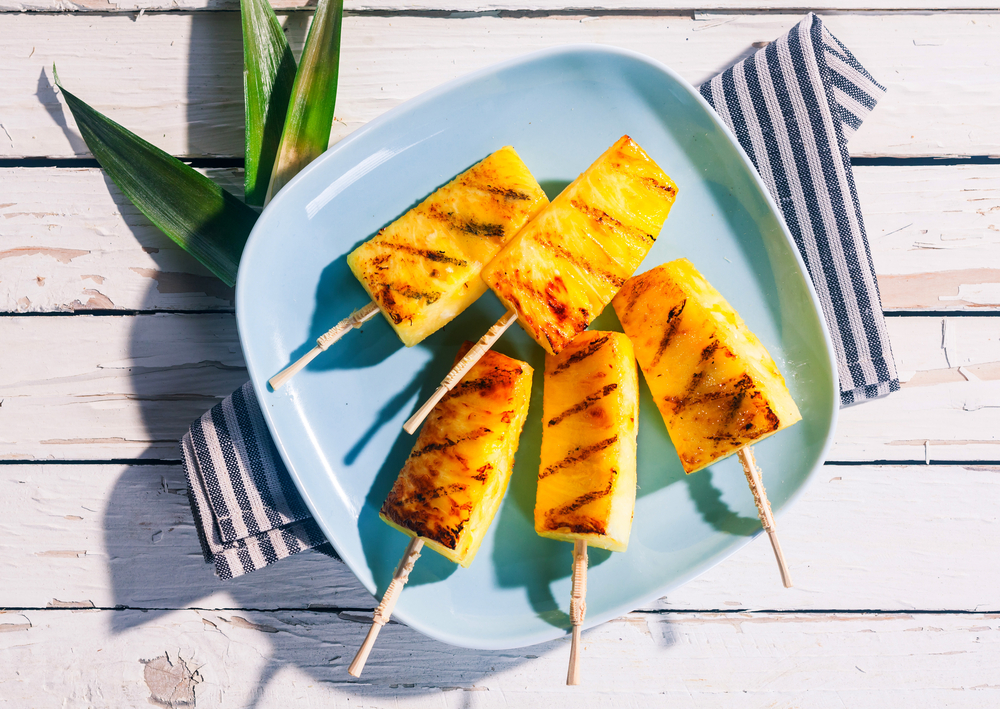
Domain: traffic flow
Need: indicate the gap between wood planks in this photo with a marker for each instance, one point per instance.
(232, 311)
(238, 163)
(365, 612)
(698, 13)
(170, 462)
(107, 311)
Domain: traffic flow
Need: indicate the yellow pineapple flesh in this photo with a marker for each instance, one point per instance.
(424, 269)
(564, 267)
(451, 485)
(586, 479)
(715, 384)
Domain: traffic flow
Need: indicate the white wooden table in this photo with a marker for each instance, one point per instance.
(112, 341)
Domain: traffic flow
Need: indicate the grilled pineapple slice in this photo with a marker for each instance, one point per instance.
(586, 480)
(423, 269)
(562, 269)
(715, 384)
(452, 484)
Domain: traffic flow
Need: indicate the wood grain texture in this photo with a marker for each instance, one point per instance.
(70, 241)
(123, 535)
(122, 387)
(276, 659)
(129, 386)
(492, 6)
(902, 550)
(934, 234)
(949, 405)
(176, 77)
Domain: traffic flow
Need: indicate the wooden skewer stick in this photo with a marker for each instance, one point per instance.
(355, 319)
(384, 610)
(764, 510)
(474, 354)
(577, 608)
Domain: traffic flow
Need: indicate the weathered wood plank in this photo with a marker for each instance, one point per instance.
(177, 77)
(949, 406)
(935, 235)
(122, 386)
(123, 535)
(487, 6)
(269, 659)
(70, 241)
(95, 388)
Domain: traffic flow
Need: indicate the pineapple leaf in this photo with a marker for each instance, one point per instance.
(310, 113)
(205, 220)
(268, 77)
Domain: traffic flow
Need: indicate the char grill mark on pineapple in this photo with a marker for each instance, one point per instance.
(584, 405)
(561, 517)
(657, 185)
(448, 443)
(679, 403)
(482, 229)
(577, 524)
(748, 431)
(599, 216)
(578, 455)
(427, 254)
(408, 291)
(389, 305)
(483, 473)
(742, 386)
(413, 513)
(591, 349)
(673, 322)
(582, 264)
(430, 495)
(725, 390)
(491, 381)
(472, 226)
(554, 291)
(634, 289)
(507, 194)
(556, 305)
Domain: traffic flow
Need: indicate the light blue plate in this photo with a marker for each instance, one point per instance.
(338, 424)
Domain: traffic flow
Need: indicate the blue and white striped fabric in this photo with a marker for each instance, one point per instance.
(793, 105)
(246, 508)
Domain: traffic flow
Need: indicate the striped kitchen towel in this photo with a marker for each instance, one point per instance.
(246, 508)
(792, 106)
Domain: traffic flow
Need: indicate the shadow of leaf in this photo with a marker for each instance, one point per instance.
(49, 98)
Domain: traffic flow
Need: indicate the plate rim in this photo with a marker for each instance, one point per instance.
(259, 380)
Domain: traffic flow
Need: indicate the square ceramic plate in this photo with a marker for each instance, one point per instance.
(338, 424)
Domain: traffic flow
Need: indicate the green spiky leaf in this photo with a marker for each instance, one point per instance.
(310, 113)
(205, 220)
(268, 78)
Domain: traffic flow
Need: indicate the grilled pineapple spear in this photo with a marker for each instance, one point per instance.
(587, 475)
(563, 268)
(423, 270)
(451, 485)
(716, 386)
